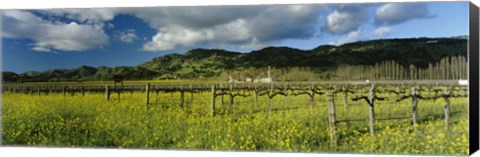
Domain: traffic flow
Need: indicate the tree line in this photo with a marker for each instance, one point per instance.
(448, 68)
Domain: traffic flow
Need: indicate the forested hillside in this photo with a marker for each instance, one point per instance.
(413, 58)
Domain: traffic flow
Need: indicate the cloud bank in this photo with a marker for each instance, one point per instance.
(48, 35)
(346, 18)
(239, 25)
(243, 27)
(396, 13)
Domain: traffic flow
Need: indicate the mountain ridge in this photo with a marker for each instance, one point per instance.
(208, 63)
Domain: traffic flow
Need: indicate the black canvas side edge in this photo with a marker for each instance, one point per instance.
(473, 79)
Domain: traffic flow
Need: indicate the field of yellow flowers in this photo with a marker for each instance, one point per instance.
(90, 121)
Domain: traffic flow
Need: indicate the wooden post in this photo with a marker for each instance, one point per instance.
(222, 95)
(156, 96)
(118, 92)
(38, 91)
(345, 96)
(83, 91)
(414, 108)
(285, 89)
(191, 94)
(212, 107)
(107, 92)
(222, 99)
(270, 103)
(30, 90)
(72, 91)
(255, 99)
(64, 90)
(332, 119)
(147, 94)
(181, 97)
(371, 115)
(446, 108)
(171, 91)
(231, 99)
(311, 98)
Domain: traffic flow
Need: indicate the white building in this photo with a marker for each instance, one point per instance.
(463, 82)
(265, 80)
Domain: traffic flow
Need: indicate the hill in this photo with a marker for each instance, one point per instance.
(209, 63)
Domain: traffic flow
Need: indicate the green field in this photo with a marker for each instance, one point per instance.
(56, 120)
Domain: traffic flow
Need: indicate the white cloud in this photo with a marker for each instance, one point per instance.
(382, 31)
(49, 35)
(169, 38)
(243, 26)
(351, 37)
(188, 27)
(128, 36)
(41, 49)
(345, 19)
(339, 22)
(358, 35)
(396, 13)
(90, 16)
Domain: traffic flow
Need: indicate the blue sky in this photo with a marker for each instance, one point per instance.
(39, 40)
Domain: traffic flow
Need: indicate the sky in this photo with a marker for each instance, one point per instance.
(39, 40)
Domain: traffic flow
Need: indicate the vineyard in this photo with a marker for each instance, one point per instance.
(401, 117)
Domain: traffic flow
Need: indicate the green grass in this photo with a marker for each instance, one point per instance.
(91, 121)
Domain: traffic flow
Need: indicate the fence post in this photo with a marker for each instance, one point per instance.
(414, 108)
(270, 96)
(345, 96)
(310, 90)
(371, 115)
(446, 107)
(285, 90)
(231, 99)
(107, 92)
(212, 107)
(83, 91)
(191, 94)
(255, 99)
(64, 90)
(181, 97)
(156, 95)
(118, 90)
(332, 118)
(72, 91)
(147, 94)
(222, 95)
